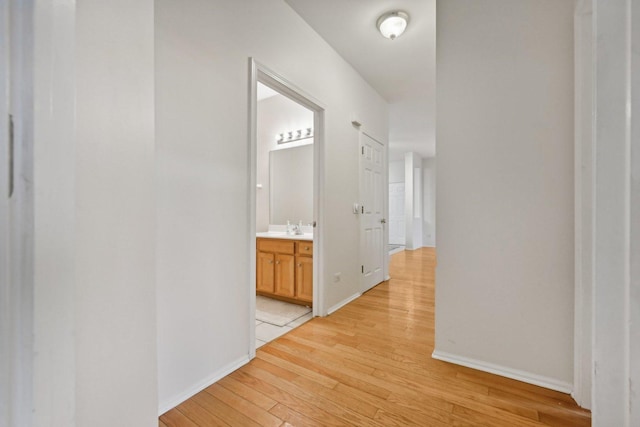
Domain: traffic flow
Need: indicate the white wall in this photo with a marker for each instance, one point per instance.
(115, 311)
(429, 202)
(275, 115)
(53, 186)
(396, 171)
(504, 294)
(202, 51)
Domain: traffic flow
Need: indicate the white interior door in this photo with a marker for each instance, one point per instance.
(372, 211)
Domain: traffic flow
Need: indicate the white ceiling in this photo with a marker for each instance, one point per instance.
(401, 70)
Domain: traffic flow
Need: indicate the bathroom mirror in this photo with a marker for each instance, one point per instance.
(291, 185)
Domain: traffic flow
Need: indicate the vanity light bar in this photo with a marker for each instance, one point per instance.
(294, 135)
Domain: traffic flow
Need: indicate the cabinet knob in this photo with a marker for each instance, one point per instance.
(299, 265)
(270, 262)
(306, 248)
(277, 262)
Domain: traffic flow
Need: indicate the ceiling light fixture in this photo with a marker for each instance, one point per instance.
(393, 24)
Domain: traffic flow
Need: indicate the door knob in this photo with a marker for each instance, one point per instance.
(383, 221)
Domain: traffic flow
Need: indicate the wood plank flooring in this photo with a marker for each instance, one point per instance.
(369, 364)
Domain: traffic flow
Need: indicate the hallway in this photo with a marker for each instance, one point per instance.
(370, 364)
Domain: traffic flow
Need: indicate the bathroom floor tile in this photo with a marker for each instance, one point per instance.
(277, 312)
(300, 320)
(267, 332)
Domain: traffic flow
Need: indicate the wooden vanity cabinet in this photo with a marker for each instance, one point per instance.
(284, 283)
(304, 278)
(304, 270)
(265, 276)
(285, 269)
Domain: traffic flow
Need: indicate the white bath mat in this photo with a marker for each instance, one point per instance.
(278, 312)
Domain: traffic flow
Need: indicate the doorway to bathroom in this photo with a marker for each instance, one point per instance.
(285, 237)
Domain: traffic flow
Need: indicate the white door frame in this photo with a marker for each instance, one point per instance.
(17, 52)
(607, 291)
(6, 350)
(260, 73)
(616, 190)
(584, 202)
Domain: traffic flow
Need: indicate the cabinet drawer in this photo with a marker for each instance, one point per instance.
(276, 245)
(305, 248)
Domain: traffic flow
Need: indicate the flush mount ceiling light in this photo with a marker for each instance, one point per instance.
(393, 24)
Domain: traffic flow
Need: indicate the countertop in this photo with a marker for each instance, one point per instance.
(284, 235)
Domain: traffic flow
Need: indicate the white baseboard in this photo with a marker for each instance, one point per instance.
(221, 373)
(514, 374)
(342, 303)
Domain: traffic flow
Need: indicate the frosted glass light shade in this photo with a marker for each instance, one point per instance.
(393, 24)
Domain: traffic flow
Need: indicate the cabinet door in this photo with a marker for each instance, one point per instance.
(265, 274)
(304, 278)
(285, 275)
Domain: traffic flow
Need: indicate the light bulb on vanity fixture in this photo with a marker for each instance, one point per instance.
(294, 135)
(392, 24)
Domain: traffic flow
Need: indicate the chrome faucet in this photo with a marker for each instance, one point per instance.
(294, 229)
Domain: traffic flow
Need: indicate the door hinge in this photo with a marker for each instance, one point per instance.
(362, 208)
(363, 151)
(362, 268)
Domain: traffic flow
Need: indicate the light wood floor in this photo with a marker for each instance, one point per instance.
(369, 364)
